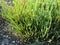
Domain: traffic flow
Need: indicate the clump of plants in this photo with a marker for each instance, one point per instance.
(32, 20)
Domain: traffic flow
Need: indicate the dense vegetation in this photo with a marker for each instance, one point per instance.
(34, 20)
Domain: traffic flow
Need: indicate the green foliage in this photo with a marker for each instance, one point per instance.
(33, 18)
(37, 43)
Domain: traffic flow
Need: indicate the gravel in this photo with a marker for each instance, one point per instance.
(6, 37)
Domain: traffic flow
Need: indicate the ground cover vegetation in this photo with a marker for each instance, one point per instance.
(34, 20)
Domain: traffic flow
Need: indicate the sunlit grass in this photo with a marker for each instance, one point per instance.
(32, 18)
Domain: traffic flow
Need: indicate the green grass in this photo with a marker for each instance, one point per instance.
(33, 19)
